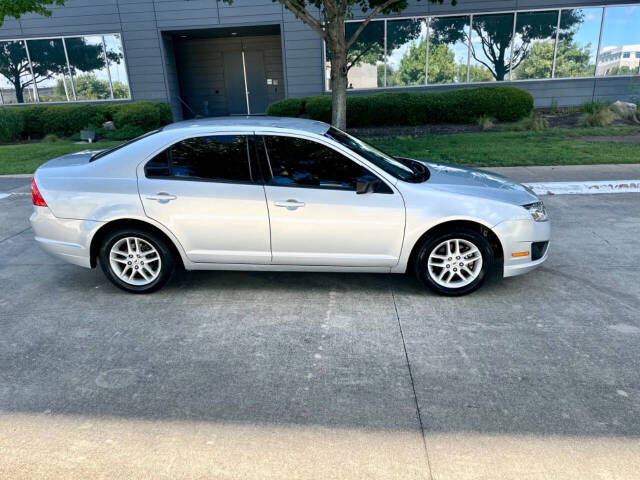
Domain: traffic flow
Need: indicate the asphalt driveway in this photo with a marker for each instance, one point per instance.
(283, 375)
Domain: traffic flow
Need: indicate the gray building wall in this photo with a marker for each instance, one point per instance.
(151, 60)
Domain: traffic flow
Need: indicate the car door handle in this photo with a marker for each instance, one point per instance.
(289, 204)
(161, 197)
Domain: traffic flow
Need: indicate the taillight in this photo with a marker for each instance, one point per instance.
(38, 201)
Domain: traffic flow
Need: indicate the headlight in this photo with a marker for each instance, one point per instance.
(537, 211)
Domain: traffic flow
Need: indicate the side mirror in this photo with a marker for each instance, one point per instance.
(366, 186)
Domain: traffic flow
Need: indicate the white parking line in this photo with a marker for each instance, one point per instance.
(585, 188)
(4, 195)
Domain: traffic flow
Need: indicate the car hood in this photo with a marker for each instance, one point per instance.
(478, 183)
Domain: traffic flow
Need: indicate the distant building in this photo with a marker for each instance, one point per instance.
(615, 59)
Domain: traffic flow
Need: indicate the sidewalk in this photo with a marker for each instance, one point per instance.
(570, 173)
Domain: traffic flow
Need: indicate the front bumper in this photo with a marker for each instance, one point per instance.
(519, 236)
(66, 239)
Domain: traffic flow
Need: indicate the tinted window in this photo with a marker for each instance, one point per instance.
(222, 158)
(299, 162)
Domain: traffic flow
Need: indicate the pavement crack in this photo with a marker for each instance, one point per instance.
(413, 385)
(14, 235)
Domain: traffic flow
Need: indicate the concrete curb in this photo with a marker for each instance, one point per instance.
(585, 188)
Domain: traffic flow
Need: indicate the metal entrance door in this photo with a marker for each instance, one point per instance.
(245, 82)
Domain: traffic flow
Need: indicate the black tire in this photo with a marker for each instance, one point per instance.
(420, 264)
(167, 259)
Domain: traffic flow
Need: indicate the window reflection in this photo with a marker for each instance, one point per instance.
(50, 70)
(533, 45)
(16, 82)
(620, 50)
(366, 56)
(578, 42)
(448, 49)
(406, 52)
(117, 67)
(491, 47)
(89, 68)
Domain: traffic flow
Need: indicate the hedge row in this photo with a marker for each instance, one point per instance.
(504, 103)
(66, 120)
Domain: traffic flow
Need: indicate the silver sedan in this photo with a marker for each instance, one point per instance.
(285, 195)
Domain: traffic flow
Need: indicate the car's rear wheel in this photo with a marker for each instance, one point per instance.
(136, 260)
(455, 262)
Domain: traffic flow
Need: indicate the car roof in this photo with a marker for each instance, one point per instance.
(250, 122)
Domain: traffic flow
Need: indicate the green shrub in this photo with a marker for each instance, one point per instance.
(66, 120)
(146, 115)
(534, 122)
(126, 132)
(504, 103)
(289, 107)
(11, 125)
(50, 138)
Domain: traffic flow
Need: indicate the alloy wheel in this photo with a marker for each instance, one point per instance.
(135, 261)
(455, 263)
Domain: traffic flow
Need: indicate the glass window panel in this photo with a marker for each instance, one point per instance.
(221, 158)
(16, 83)
(491, 47)
(88, 67)
(620, 37)
(407, 51)
(366, 56)
(50, 70)
(448, 49)
(578, 42)
(533, 45)
(117, 66)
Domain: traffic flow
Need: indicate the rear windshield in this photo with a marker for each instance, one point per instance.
(103, 153)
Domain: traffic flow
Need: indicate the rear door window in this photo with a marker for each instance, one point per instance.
(222, 158)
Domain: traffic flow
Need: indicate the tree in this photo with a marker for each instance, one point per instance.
(48, 60)
(16, 8)
(328, 19)
(572, 60)
(90, 87)
(491, 45)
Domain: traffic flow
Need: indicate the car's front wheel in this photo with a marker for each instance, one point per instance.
(455, 262)
(136, 260)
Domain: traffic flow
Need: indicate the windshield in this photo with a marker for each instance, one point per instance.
(102, 153)
(404, 169)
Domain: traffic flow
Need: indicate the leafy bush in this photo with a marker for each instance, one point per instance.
(534, 122)
(127, 132)
(504, 103)
(66, 120)
(289, 107)
(51, 138)
(146, 115)
(11, 125)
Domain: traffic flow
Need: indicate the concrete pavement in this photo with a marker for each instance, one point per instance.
(283, 375)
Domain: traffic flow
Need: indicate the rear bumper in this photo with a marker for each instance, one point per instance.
(518, 236)
(66, 239)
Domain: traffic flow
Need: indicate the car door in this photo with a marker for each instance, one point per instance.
(317, 218)
(206, 191)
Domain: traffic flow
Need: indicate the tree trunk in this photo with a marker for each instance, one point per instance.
(17, 85)
(338, 84)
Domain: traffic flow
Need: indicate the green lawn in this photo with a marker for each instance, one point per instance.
(549, 147)
(25, 158)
